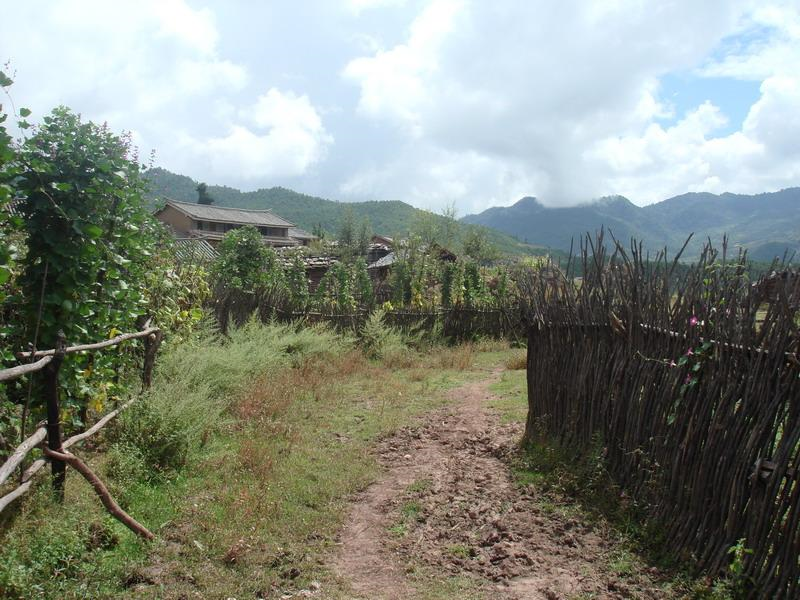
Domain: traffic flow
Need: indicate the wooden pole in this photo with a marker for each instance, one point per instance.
(95, 346)
(15, 372)
(101, 490)
(53, 414)
(151, 344)
(19, 454)
(38, 464)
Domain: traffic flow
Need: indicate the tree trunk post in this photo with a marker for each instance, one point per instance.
(151, 344)
(51, 392)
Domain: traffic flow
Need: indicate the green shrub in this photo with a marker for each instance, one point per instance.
(150, 438)
(378, 339)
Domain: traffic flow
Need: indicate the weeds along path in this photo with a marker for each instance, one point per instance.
(447, 510)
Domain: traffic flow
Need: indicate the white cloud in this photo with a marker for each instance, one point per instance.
(433, 178)
(358, 6)
(155, 67)
(104, 55)
(287, 138)
(762, 155)
(775, 119)
(393, 82)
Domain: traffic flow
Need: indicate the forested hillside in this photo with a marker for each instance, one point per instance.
(391, 217)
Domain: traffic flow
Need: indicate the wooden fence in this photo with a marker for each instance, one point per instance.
(456, 323)
(55, 450)
(694, 401)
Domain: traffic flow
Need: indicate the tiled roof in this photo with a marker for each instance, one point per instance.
(301, 234)
(287, 256)
(194, 248)
(224, 214)
(386, 261)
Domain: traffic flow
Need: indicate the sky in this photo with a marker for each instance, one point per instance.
(439, 103)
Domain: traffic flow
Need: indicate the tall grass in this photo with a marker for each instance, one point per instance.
(45, 550)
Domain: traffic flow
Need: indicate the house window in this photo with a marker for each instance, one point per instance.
(273, 231)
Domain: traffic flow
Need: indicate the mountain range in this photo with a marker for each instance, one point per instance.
(766, 224)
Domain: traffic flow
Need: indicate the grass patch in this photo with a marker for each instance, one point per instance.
(412, 511)
(420, 486)
(461, 551)
(399, 530)
(518, 361)
(431, 585)
(511, 396)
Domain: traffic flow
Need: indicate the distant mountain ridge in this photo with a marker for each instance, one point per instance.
(390, 217)
(766, 224)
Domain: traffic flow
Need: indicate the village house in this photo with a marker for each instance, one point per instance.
(211, 223)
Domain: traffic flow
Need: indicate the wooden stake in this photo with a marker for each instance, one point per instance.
(151, 345)
(53, 413)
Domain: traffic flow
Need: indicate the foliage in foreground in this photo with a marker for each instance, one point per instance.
(80, 254)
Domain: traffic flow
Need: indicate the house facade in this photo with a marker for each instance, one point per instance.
(211, 223)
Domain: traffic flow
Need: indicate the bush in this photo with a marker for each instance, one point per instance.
(378, 339)
(148, 441)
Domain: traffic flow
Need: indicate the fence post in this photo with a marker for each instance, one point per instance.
(53, 414)
(151, 344)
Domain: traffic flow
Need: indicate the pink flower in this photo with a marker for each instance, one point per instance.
(672, 363)
(689, 352)
(693, 321)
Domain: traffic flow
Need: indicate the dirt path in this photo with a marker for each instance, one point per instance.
(447, 501)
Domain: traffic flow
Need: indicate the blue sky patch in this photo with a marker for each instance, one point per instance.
(684, 92)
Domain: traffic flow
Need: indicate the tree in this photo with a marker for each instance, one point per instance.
(10, 226)
(86, 223)
(425, 227)
(89, 242)
(244, 262)
(203, 197)
(363, 238)
(347, 230)
(335, 289)
(448, 228)
(448, 273)
(297, 282)
(363, 290)
(477, 246)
